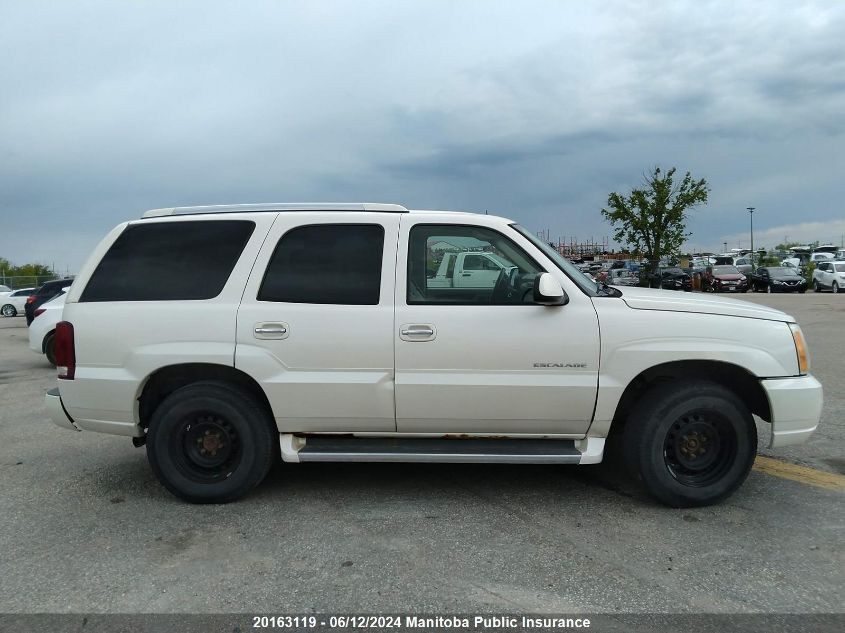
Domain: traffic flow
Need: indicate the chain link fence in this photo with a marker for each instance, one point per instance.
(16, 282)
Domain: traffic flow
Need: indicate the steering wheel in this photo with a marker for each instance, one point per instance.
(505, 288)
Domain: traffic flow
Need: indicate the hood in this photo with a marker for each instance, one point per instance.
(653, 299)
(729, 277)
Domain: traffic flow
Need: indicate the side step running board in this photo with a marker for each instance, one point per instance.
(347, 448)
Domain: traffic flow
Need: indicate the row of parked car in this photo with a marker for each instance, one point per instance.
(42, 308)
(729, 278)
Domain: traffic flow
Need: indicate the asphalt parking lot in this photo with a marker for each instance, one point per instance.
(85, 527)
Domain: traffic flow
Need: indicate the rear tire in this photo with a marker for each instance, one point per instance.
(211, 442)
(8, 310)
(692, 444)
(50, 348)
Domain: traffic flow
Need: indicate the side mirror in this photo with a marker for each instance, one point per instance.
(548, 292)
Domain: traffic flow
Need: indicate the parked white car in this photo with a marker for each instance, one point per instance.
(829, 275)
(13, 303)
(622, 277)
(42, 330)
(315, 328)
(4, 290)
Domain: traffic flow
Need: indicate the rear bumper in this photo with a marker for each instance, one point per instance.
(57, 412)
(796, 406)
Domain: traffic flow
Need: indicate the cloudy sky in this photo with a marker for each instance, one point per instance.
(532, 110)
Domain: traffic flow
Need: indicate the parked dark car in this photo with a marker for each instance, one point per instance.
(777, 279)
(673, 278)
(723, 279)
(43, 295)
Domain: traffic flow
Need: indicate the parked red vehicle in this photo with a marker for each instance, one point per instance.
(723, 279)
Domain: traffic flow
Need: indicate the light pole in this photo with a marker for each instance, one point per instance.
(726, 248)
(751, 215)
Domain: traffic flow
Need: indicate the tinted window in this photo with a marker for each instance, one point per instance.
(326, 263)
(169, 260)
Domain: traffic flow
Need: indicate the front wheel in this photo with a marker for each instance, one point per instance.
(816, 287)
(834, 288)
(211, 442)
(692, 444)
(9, 310)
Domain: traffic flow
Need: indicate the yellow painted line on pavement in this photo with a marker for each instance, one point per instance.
(802, 474)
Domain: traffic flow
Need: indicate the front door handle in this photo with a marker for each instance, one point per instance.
(417, 332)
(270, 330)
(423, 331)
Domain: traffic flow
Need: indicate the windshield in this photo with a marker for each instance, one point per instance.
(581, 280)
(725, 270)
(781, 272)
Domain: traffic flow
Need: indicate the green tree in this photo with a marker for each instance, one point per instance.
(652, 218)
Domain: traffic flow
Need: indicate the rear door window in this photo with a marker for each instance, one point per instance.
(326, 263)
(163, 261)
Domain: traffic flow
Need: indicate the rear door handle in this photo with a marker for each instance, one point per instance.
(417, 332)
(270, 330)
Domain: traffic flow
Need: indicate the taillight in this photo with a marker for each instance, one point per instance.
(30, 299)
(39, 311)
(64, 350)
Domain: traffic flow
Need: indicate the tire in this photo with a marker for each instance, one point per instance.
(769, 288)
(816, 287)
(50, 348)
(834, 288)
(195, 422)
(8, 310)
(676, 417)
(803, 290)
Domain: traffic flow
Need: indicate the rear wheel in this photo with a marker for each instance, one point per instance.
(211, 442)
(9, 310)
(692, 444)
(50, 348)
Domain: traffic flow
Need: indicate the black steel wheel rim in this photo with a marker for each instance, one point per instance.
(699, 448)
(206, 448)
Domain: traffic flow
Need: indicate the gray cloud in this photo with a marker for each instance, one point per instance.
(533, 111)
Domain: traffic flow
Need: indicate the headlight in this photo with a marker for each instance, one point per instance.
(800, 349)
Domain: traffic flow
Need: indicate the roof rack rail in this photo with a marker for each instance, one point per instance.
(283, 206)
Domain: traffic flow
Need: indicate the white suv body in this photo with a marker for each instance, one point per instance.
(829, 275)
(355, 353)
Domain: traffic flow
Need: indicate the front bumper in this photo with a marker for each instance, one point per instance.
(56, 409)
(796, 407)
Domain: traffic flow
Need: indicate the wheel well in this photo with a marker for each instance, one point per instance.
(742, 382)
(168, 379)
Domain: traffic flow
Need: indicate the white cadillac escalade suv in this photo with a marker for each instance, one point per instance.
(220, 337)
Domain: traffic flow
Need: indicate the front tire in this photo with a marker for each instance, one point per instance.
(8, 310)
(816, 287)
(692, 444)
(211, 442)
(834, 288)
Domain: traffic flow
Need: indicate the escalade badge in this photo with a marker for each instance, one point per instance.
(570, 365)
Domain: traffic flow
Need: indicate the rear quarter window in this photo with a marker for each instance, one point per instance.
(165, 261)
